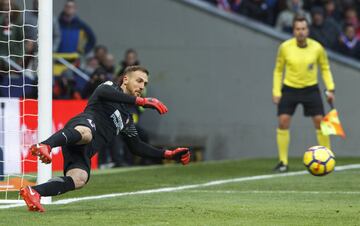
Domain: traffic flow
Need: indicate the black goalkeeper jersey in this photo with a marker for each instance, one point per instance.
(109, 107)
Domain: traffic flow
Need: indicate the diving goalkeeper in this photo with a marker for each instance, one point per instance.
(105, 116)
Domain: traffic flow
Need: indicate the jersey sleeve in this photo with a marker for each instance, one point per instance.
(325, 69)
(138, 147)
(107, 91)
(278, 72)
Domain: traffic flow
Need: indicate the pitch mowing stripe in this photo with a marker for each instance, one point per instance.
(277, 192)
(184, 187)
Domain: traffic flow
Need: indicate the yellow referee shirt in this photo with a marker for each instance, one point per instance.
(301, 66)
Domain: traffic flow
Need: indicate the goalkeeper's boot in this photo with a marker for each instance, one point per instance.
(32, 199)
(281, 168)
(41, 150)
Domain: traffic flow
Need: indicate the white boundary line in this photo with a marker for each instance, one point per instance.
(277, 192)
(184, 187)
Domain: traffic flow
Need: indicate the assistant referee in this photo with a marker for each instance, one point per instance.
(296, 82)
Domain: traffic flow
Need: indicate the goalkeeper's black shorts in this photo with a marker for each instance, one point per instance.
(309, 97)
(79, 156)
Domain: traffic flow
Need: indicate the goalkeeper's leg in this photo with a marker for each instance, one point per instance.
(78, 131)
(67, 136)
(76, 174)
(76, 170)
(74, 179)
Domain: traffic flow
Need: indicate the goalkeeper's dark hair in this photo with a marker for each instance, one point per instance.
(135, 68)
(130, 69)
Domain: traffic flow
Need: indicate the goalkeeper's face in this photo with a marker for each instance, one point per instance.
(134, 83)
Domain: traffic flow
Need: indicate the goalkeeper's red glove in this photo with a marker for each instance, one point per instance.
(151, 103)
(179, 154)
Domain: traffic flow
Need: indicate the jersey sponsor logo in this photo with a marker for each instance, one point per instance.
(116, 116)
(92, 124)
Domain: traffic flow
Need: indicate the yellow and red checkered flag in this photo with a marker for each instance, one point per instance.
(330, 124)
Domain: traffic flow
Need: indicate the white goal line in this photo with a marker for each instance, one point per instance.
(276, 192)
(184, 187)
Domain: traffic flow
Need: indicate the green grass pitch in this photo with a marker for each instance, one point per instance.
(289, 200)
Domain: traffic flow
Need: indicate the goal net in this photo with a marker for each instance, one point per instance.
(25, 93)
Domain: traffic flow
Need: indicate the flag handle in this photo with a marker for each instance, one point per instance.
(331, 104)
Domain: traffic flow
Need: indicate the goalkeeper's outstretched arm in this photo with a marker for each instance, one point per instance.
(140, 148)
(108, 92)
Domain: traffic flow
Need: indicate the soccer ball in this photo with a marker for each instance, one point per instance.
(319, 160)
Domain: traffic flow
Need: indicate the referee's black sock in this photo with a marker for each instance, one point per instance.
(55, 186)
(66, 136)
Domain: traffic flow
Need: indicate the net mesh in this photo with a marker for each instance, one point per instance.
(18, 92)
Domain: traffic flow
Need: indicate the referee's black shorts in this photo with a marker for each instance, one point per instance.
(79, 156)
(309, 97)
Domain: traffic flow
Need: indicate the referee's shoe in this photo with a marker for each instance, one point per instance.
(32, 199)
(281, 168)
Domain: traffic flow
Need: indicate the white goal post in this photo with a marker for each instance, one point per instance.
(45, 73)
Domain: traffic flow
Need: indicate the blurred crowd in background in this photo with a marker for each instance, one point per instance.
(80, 64)
(334, 23)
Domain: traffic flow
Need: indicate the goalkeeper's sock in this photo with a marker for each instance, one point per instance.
(66, 136)
(55, 186)
(283, 140)
(323, 140)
